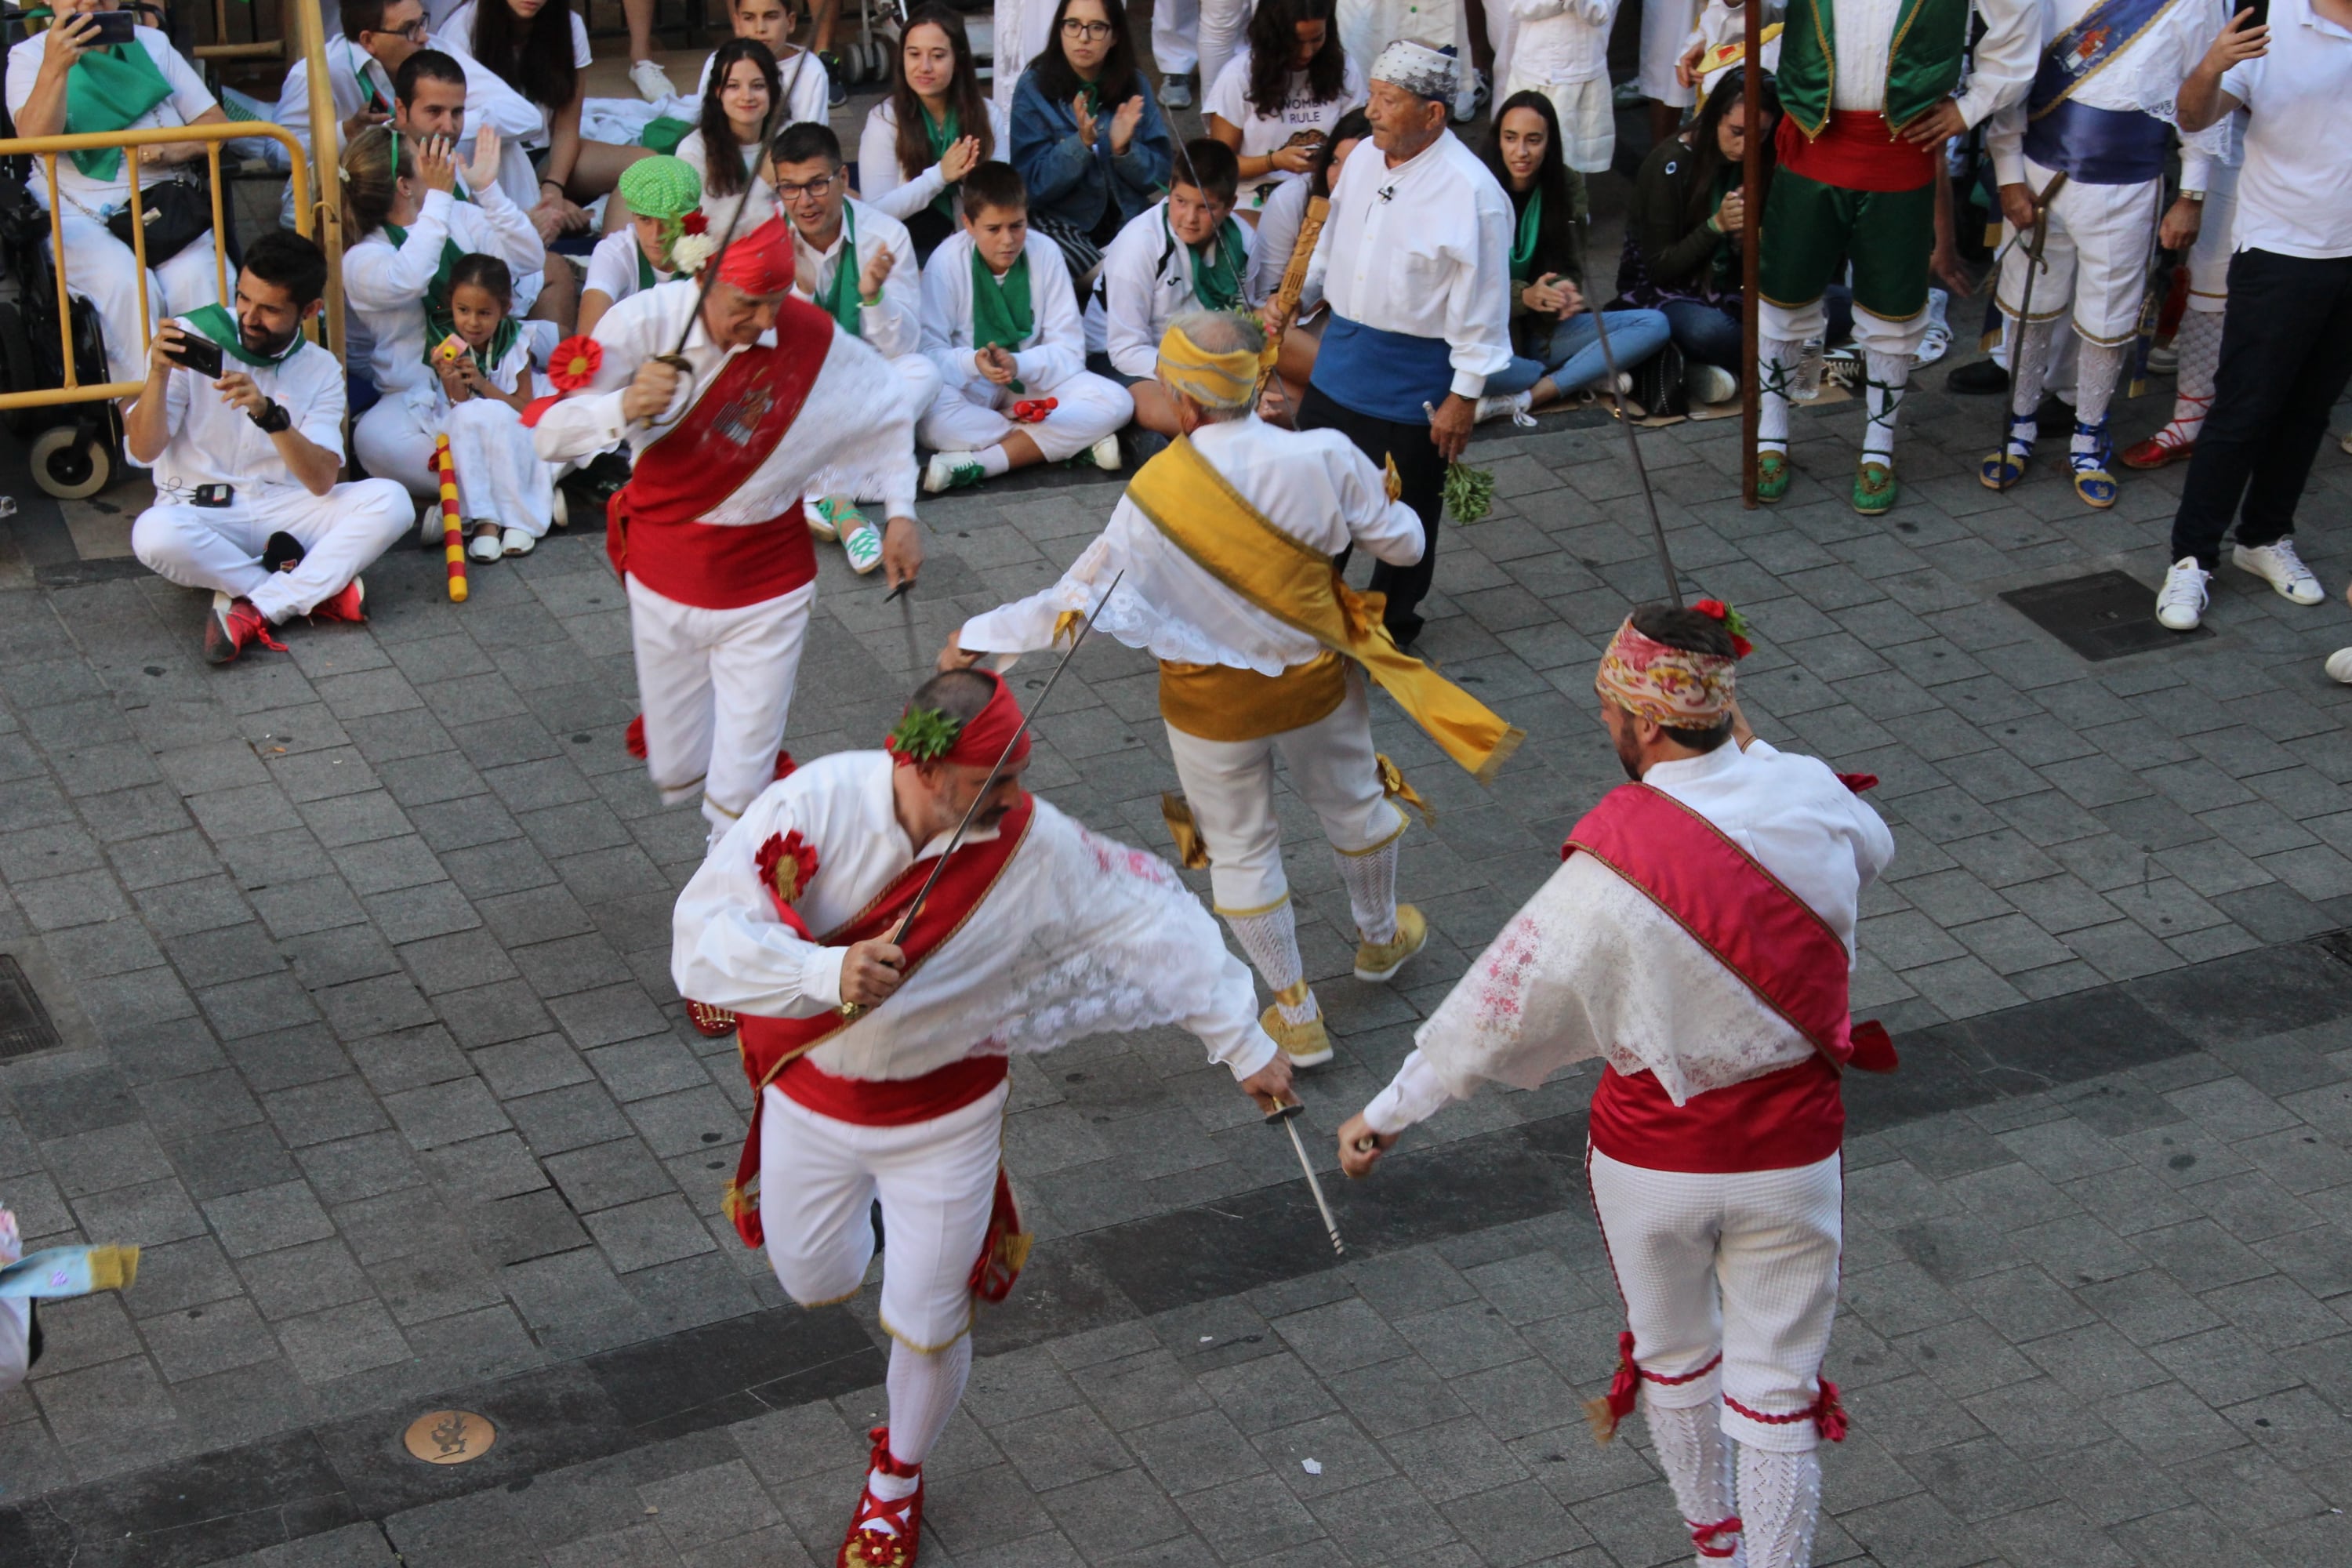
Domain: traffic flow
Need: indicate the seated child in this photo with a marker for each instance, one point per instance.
(1185, 252)
(660, 191)
(1001, 324)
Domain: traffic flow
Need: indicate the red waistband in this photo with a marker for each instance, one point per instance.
(719, 567)
(1776, 1122)
(891, 1102)
(1856, 151)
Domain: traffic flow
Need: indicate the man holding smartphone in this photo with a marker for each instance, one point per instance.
(246, 448)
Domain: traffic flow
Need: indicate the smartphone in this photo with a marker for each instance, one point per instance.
(215, 495)
(113, 27)
(199, 354)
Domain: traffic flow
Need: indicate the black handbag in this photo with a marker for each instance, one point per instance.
(176, 212)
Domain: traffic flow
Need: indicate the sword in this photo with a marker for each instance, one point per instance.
(676, 356)
(906, 617)
(1633, 448)
(2034, 264)
(1287, 1114)
(853, 1009)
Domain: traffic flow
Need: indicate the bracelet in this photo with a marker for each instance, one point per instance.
(557, 183)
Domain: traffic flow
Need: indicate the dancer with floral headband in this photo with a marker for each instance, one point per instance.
(1697, 937)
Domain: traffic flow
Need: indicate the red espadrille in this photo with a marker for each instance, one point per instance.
(709, 1020)
(895, 1547)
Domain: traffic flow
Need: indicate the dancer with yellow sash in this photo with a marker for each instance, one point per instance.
(1227, 540)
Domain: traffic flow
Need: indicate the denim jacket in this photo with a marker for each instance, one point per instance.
(1072, 181)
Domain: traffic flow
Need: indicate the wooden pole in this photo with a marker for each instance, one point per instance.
(1751, 180)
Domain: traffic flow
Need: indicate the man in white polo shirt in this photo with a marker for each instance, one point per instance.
(2287, 343)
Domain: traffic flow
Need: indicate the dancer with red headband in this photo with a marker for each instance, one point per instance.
(768, 402)
(1697, 937)
(1035, 933)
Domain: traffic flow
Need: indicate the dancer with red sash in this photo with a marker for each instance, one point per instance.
(1037, 932)
(1697, 937)
(768, 402)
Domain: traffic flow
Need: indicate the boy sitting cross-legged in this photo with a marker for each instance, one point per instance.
(1001, 323)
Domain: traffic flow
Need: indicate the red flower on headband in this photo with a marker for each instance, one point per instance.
(1733, 622)
(575, 362)
(1714, 607)
(693, 223)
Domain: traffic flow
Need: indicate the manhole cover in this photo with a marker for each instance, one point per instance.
(449, 1436)
(2107, 614)
(25, 1025)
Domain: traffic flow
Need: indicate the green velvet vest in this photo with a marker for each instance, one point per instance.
(1923, 66)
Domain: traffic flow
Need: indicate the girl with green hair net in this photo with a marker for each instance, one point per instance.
(662, 193)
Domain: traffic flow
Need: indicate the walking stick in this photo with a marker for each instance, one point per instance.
(1752, 245)
(1293, 284)
(2034, 266)
(453, 530)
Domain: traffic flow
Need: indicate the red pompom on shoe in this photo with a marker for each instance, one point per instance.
(1874, 1047)
(634, 738)
(785, 766)
(894, 1546)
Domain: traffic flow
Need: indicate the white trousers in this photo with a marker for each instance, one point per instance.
(2208, 258)
(103, 270)
(1666, 28)
(937, 1181)
(1797, 323)
(975, 416)
(1588, 117)
(2095, 257)
(499, 476)
(219, 547)
(1174, 23)
(1229, 784)
(1743, 1267)
(919, 380)
(716, 686)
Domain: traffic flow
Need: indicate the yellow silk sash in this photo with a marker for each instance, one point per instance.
(1188, 500)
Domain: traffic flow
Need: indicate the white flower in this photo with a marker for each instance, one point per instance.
(692, 252)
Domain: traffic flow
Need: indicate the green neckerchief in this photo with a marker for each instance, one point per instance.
(1092, 93)
(663, 133)
(646, 278)
(840, 300)
(218, 325)
(109, 90)
(1523, 247)
(438, 323)
(1000, 313)
(941, 136)
(1217, 271)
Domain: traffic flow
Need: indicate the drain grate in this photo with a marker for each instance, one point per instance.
(25, 1025)
(2107, 614)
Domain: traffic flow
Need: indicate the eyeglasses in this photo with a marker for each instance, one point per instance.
(787, 191)
(416, 32)
(1092, 32)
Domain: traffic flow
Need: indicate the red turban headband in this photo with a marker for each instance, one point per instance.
(927, 736)
(760, 262)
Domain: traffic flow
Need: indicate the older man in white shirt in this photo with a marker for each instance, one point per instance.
(1414, 262)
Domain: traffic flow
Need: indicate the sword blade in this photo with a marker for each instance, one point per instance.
(1633, 449)
(1290, 1125)
(904, 595)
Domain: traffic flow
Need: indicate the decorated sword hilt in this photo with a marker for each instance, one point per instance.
(1284, 1109)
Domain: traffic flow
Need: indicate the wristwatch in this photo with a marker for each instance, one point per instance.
(2198, 196)
(273, 418)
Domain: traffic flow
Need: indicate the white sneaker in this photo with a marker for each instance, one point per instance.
(952, 471)
(2339, 665)
(1710, 384)
(864, 544)
(1105, 454)
(2282, 568)
(1513, 404)
(2181, 604)
(652, 82)
(2163, 359)
(1175, 92)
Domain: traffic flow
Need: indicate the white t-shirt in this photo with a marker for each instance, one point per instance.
(616, 266)
(807, 91)
(720, 210)
(213, 443)
(2295, 195)
(189, 97)
(455, 35)
(1228, 100)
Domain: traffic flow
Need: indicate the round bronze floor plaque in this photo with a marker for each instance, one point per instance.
(449, 1436)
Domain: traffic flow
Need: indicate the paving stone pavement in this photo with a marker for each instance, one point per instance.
(360, 957)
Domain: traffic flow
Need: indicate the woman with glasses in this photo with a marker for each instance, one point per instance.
(935, 125)
(1088, 138)
(725, 149)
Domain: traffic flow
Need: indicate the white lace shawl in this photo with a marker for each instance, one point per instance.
(1591, 966)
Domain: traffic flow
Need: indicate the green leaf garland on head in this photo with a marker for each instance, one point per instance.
(925, 735)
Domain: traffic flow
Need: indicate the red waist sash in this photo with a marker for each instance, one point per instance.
(1856, 151)
(890, 1103)
(712, 566)
(1782, 1119)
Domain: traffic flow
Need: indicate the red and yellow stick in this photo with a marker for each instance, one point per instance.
(453, 530)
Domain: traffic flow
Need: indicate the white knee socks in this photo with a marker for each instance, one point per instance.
(2200, 343)
(924, 1386)
(2029, 363)
(1884, 378)
(1776, 370)
(1370, 880)
(1271, 941)
(2096, 369)
(1779, 1504)
(1697, 1458)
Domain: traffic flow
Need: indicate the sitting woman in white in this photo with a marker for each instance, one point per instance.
(922, 138)
(725, 149)
(1276, 103)
(1001, 322)
(410, 234)
(62, 81)
(246, 458)
(806, 86)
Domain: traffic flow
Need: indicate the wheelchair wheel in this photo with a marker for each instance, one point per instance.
(69, 465)
(18, 370)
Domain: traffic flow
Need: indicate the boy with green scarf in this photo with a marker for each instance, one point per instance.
(1001, 322)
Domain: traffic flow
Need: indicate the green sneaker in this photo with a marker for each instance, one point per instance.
(952, 471)
(1771, 475)
(1874, 488)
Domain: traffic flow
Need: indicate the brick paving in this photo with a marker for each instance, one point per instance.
(360, 956)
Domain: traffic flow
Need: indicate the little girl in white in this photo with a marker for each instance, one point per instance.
(505, 493)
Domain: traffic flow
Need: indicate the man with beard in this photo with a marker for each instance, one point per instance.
(245, 461)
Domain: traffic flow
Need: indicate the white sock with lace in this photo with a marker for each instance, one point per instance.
(1884, 378)
(1271, 939)
(923, 1386)
(1697, 1458)
(2098, 368)
(1370, 880)
(1777, 368)
(2199, 341)
(2029, 362)
(1779, 1504)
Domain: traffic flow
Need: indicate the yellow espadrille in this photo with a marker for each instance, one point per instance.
(1376, 961)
